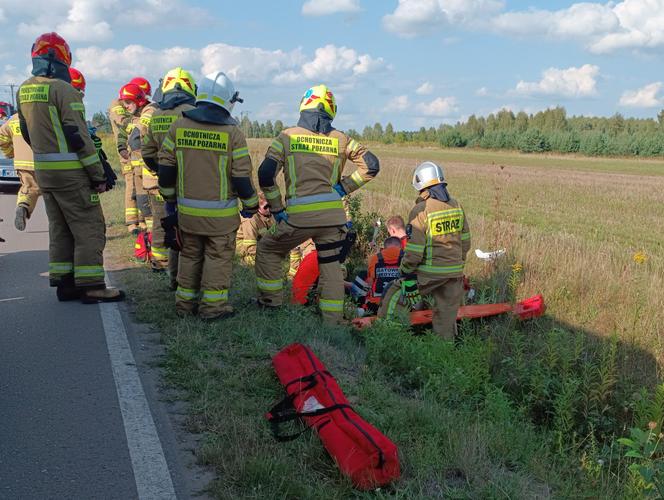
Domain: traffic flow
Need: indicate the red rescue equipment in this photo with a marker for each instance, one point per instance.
(143, 246)
(534, 307)
(360, 450)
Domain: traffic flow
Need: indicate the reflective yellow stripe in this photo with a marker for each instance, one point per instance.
(357, 179)
(250, 202)
(218, 100)
(24, 163)
(334, 178)
(292, 176)
(392, 304)
(412, 247)
(145, 120)
(465, 236)
(159, 253)
(167, 192)
(272, 193)
(78, 106)
(90, 160)
(276, 144)
(131, 211)
(329, 305)
(89, 271)
(240, 153)
(313, 207)
(269, 285)
(119, 110)
(223, 178)
(208, 212)
(353, 145)
(186, 293)
(248, 242)
(168, 144)
(214, 296)
(440, 269)
(58, 165)
(57, 129)
(60, 267)
(180, 159)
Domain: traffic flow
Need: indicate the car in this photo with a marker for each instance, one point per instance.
(8, 176)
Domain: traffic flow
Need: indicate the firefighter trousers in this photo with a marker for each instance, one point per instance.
(204, 274)
(159, 250)
(77, 236)
(132, 217)
(447, 294)
(29, 192)
(273, 249)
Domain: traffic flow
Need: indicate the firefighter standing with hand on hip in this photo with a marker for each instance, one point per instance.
(178, 95)
(69, 173)
(312, 155)
(204, 164)
(435, 254)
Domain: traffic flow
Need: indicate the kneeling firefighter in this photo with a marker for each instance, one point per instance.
(312, 156)
(68, 171)
(204, 164)
(178, 95)
(435, 255)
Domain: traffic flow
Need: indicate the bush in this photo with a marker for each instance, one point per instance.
(533, 141)
(452, 138)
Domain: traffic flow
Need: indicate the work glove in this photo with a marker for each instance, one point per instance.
(349, 225)
(109, 173)
(280, 216)
(409, 293)
(124, 154)
(340, 189)
(171, 234)
(248, 212)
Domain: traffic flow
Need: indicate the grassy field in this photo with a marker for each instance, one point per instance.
(529, 410)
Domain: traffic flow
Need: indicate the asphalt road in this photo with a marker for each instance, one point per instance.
(72, 419)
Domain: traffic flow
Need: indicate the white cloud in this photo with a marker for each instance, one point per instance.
(244, 65)
(482, 92)
(416, 17)
(600, 27)
(333, 64)
(439, 107)
(569, 82)
(3, 18)
(425, 89)
(327, 7)
(400, 103)
(645, 97)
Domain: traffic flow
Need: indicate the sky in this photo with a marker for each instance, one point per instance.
(409, 62)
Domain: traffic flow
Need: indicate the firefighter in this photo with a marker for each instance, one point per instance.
(14, 146)
(312, 155)
(204, 164)
(435, 255)
(383, 269)
(140, 111)
(178, 94)
(119, 118)
(252, 230)
(69, 173)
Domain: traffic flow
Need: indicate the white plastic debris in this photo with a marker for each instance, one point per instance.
(489, 256)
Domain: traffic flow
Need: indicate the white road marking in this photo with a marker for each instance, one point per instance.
(13, 298)
(153, 479)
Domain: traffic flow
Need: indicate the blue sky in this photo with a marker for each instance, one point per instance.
(412, 62)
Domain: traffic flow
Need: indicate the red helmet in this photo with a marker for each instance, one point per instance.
(52, 42)
(77, 79)
(134, 93)
(143, 83)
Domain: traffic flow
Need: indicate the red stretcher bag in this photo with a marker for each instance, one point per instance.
(360, 450)
(143, 246)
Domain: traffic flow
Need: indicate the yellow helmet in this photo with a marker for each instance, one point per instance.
(179, 76)
(319, 96)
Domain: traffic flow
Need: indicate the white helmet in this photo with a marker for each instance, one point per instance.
(217, 88)
(427, 174)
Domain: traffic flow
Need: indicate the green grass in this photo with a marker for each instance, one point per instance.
(560, 162)
(516, 410)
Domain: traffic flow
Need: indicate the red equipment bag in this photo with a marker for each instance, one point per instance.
(143, 246)
(360, 450)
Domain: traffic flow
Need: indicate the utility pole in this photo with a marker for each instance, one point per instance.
(11, 86)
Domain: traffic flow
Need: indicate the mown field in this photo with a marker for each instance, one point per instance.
(516, 410)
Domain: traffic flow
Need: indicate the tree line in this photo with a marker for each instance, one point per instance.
(546, 131)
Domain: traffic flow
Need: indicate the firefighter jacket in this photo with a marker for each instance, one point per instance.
(313, 163)
(14, 146)
(52, 119)
(131, 138)
(383, 268)
(252, 230)
(161, 121)
(439, 239)
(206, 167)
(119, 118)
